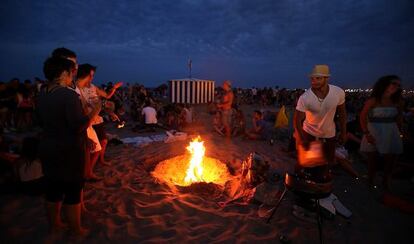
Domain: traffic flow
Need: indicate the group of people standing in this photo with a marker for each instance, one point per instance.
(321, 116)
(380, 120)
(73, 135)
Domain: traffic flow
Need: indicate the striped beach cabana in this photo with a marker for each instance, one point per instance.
(191, 91)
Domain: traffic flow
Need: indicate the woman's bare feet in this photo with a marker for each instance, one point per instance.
(80, 232)
(104, 163)
(92, 178)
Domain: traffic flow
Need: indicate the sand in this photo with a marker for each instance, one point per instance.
(130, 206)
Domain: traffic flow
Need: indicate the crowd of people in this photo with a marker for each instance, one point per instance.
(69, 112)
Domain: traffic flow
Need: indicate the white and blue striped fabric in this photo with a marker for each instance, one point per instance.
(192, 91)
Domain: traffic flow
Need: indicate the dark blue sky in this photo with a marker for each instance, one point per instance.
(260, 42)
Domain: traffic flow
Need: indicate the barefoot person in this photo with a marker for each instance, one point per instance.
(381, 123)
(62, 147)
(84, 77)
(225, 107)
(94, 94)
(315, 113)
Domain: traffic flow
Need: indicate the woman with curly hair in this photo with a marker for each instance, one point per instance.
(381, 121)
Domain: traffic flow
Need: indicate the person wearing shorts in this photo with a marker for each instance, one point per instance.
(62, 148)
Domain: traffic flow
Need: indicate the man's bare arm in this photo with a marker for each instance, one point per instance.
(298, 119)
(106, 95)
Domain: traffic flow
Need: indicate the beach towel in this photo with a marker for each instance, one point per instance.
(140, 141)
(137, 141)
(281, 119)
(173, 136)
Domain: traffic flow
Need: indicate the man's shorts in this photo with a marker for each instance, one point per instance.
(100, 131)
(68, 192)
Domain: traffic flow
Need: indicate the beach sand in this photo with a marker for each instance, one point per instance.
(130, 206)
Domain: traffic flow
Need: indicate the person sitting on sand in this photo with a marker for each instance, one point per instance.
(261, 129)
(149, 115)
(29, 168)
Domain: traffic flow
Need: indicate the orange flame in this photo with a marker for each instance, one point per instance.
(195, 168)
(185, 170)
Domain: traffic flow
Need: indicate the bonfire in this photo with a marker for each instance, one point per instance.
(193, 167)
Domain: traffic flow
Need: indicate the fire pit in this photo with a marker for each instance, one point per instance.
(194, 167)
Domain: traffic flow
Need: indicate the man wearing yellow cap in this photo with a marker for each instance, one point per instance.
(315, 113)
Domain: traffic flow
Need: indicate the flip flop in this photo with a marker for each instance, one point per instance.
(341, 209)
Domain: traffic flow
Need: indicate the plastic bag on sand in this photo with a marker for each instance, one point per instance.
(173, 136)
(333, 205)
(341, 152)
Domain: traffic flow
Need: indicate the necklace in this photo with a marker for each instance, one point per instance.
(320, 100)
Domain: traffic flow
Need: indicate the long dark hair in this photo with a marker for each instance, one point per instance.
(381, 86)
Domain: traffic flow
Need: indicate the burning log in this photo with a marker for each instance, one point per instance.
(255, 169)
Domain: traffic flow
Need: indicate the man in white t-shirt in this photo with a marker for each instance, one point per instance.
(315, 113)
(150, 114)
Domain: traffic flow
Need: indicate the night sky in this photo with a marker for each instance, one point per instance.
(252, 42)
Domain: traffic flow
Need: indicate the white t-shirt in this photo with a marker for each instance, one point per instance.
(150, 115)
(320, 114)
